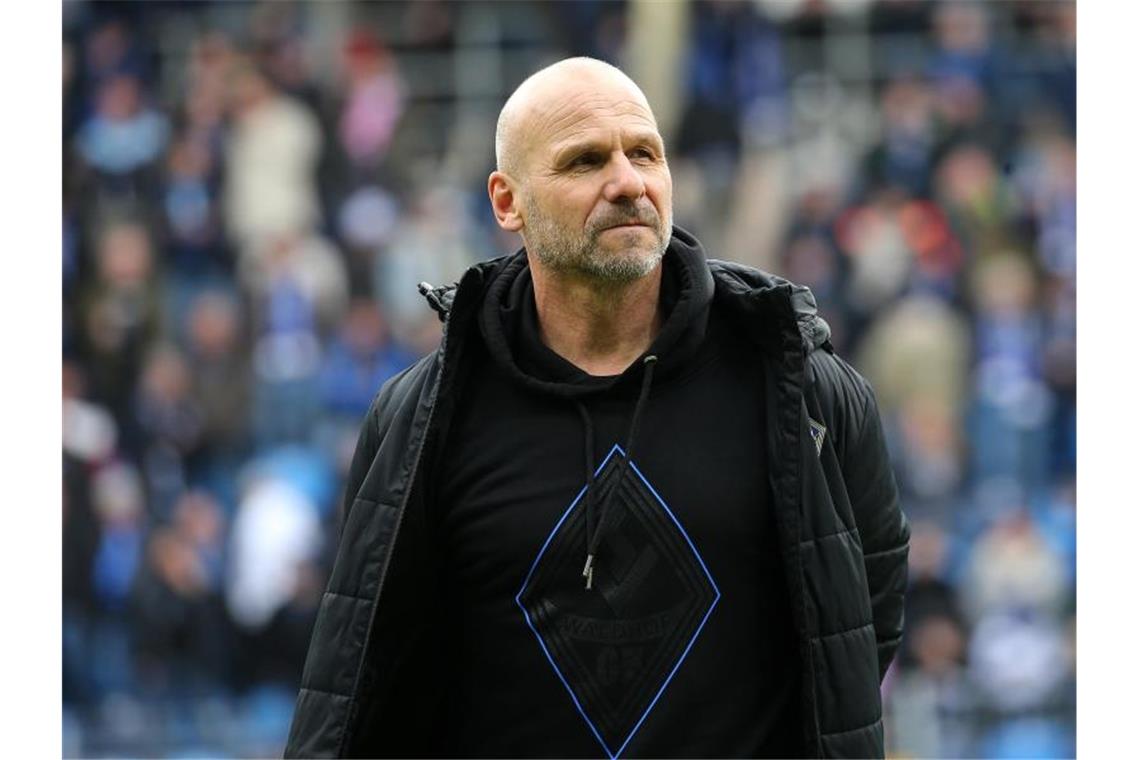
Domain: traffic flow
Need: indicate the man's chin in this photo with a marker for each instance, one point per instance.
(622, 266)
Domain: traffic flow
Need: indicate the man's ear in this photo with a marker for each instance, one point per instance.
(504, 201)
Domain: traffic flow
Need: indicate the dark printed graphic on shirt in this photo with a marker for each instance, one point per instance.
(616, 646)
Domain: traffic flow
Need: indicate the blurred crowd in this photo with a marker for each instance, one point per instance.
(252, 191)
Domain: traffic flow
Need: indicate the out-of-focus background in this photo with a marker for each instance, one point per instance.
(251, 192)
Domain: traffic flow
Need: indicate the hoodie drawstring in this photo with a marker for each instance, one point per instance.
(588, 429)
(596, 525)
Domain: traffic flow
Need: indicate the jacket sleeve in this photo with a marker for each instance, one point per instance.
(882, 526)
(326, 701)
(368, 443)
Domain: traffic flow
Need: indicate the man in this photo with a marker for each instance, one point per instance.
(632, 506)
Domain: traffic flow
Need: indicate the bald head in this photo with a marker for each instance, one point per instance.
(582, 174)
(523, 117)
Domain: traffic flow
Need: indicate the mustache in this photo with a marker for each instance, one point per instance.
(619, 215)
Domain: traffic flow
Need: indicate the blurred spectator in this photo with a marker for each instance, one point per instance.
(1020, 661)
(903, 157)
(366, 221)
(169, 424)
(112, 48)
(434, 242)
(931, 697)
(359, 361)
(1011, 407)
(310, 265)
(880, 259)
(735, 76)
(119, 504)
(119, 501)
(918, 349)
(192, 220)
(208, 66)
(962, 44)
(298, 294)
(271, 162)
(931, 592)
(1045, 176)
(734, 96)
(90, 434)
(218, 356)
(177, 603)
(276, 531)
(976, 199)
(917, 356)
(931, 704)
(121, 312)
(373, 103)
(123, 135)
(1055, 25)
(278, 45)
(939, 256)
(1012, 567)
(964, 69)
(284, 642)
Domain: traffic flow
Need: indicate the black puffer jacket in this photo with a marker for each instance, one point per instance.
(372, 683)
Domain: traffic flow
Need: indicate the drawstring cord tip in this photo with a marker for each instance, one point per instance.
(588, 571)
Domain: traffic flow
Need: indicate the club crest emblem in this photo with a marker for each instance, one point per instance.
(818, 431)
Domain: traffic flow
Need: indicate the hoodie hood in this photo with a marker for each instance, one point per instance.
(750, 292)
(508, 320)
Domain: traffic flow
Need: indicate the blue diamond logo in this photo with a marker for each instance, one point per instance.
(617, 646)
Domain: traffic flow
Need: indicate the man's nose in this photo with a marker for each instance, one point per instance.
(623, 180)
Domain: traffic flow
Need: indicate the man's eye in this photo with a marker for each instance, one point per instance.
(642, 153)
(586, 159)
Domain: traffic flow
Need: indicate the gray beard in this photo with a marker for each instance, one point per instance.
(565, 253)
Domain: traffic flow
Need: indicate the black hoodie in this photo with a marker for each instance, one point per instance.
(677, 638)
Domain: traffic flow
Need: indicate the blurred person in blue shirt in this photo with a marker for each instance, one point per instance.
(300, 290)
(124, 134)
(120, 507)
(167, 421)
(196, 247)
(359, 360)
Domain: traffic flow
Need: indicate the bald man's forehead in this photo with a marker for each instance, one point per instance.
(579, 117)
(554, 120)
(562, 98)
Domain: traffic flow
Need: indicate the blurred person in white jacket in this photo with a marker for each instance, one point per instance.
(271, 162)
(276, 530)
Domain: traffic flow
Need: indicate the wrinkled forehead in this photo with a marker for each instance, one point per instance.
(584, 110)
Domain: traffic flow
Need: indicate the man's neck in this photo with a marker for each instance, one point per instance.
(601, 328)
